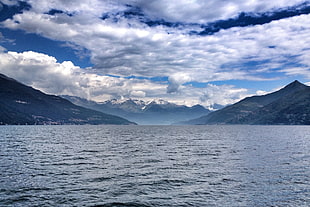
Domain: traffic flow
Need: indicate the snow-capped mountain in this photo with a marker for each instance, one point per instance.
(23, 105)
(159, 112)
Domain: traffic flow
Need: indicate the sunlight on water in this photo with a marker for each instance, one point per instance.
(155, 166)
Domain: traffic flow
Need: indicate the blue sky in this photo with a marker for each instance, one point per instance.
(187, 52)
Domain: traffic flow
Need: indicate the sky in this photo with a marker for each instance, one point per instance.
(183, 51)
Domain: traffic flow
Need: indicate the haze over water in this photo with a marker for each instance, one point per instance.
(155, 166)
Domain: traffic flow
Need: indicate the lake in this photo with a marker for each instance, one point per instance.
(155, 166)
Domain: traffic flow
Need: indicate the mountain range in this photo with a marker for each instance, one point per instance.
(287, 106)
(22, 105)
(156, 112)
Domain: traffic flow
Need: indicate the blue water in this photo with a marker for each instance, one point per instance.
(155, 166)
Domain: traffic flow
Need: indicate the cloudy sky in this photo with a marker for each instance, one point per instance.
(184, 51)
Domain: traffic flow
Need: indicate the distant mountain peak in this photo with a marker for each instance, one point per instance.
(159, 102)
(157, 111)
(124, 101)
(289, 105)
(295, 84)
(292, 87)
(21, 104)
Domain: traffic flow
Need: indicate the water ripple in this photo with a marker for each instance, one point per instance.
(155, 166)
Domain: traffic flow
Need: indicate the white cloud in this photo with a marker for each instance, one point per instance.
(223, 95)
(9, 2)
(45, 73)
(122, 50)
(260, 92)
(176, 80)
(195, 11)
(128, 47)
(137, 94)
(119, 49)
(92, 7)
(297, 71)
(201, 11)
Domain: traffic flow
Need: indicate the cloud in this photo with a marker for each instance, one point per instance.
(9, 2)
(3, 39)
(137, 94)
(200, 11)
(261, 93)
(45, 73)
(223, 95)
(176, 80)
(197, 11)
(9, 8)
(41, 71)
(122, 44)
(119, 49)
(93, 7)
(249, 19)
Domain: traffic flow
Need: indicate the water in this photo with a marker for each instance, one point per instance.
(155, 166)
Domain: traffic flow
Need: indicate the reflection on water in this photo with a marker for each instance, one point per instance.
(155, 166)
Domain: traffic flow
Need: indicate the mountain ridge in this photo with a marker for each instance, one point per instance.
(279, 107)
(157, 112)
(21, 105)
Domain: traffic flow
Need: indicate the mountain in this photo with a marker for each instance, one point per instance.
(20, 104)
(289, 105)
(157, 112)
